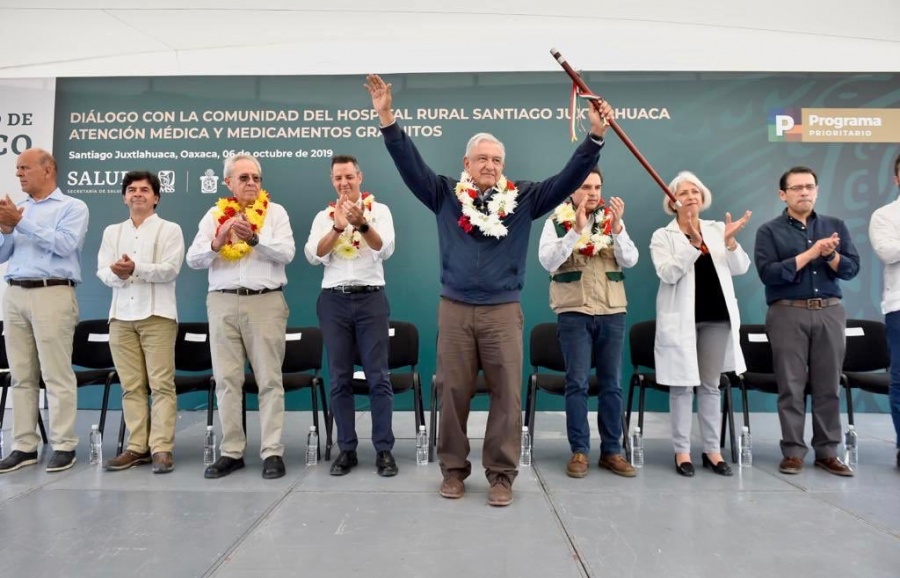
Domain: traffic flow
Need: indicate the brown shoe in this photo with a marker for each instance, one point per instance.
(453, 488)
(834, 465)
(163, 462)
(617, 464)
(500, 493)
(127, 459)
(791, 465)
(577, 466)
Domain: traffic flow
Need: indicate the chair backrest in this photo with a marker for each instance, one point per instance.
(545, 349)
(756, 348)
(192, 349)
(90, 345)
(303, 350)
(641, 340)
(867, 346)
(403, 349)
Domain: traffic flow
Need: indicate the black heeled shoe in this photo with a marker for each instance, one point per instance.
(721, 468)
(684, 468)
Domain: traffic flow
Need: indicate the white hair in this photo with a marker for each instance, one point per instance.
(484, 137)
(230, 162)
(687, 176)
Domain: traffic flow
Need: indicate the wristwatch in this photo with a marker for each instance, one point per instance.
(254, 240)
(829, 258)
(364, 228)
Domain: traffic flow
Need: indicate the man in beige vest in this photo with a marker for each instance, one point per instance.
(584, 246)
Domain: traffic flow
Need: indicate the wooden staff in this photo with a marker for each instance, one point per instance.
(579, 82)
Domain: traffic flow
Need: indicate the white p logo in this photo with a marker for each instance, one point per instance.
(783, 123)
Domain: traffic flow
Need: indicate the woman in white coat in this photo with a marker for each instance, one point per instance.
(697, 319)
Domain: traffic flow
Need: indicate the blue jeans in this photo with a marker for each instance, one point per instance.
(892, 322)
(581, 335)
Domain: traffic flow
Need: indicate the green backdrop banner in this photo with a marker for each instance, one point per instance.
(725, 127)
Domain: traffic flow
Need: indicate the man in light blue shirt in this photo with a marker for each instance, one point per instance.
(41, 241)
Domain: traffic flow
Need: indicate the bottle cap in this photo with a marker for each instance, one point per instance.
(95, 426)
(209, 428)
(421, 428)
(312, 428)
(745, 429)
(524, 428)
(637, 430)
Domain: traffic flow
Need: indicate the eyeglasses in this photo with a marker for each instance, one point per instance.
(798, 188)
(247, 178)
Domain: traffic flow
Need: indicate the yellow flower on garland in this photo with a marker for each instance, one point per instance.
(255, 214)
(348, 244)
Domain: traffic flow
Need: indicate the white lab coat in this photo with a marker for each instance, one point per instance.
(676, 336)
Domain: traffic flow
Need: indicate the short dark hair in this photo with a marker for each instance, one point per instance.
(344, 159)
(596, 170)
(897, 166)
(782, 183)
(134, 176)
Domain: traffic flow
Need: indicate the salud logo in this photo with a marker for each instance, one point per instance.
(785, 125)
(209, 183)
(166, 181)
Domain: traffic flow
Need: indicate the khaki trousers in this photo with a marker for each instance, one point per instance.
(144, 354)
(493, 334)
(241, 328)
(39, 325)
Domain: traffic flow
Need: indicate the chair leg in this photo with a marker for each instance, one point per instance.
(210, 401)
(849, 397)
(325, 415)
(120, 443)
(315, 415)
(417, 391)
(432, 433)
(626, 443)
(244, 412)
(641, 396)
(3, 399)
(629, 405)
(43, 430)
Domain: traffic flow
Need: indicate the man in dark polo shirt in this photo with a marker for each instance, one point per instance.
(800, 257)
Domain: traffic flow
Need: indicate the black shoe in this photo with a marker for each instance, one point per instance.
(61, 461)
(273, 467)
(720, 468)
(684, 468)
(17, 460)
(344, 463)
(222, 467)
(386, 464)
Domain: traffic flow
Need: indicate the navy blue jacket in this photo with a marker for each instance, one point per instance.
(475, 268)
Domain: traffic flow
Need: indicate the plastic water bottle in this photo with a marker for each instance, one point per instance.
(312, 446)
(525, 455)
(2, 455)
(851, 446)
(746, 454)
(96, 445)
(637, 448)
(209, 447)
(422, 447)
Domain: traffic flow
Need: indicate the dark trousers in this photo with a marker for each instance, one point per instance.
(808, 346)
(493, 335)
(348, 322)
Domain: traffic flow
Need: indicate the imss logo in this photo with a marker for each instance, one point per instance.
(785, 125)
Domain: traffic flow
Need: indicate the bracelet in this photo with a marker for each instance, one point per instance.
(732, 246)
(336, 229)
(829, 257)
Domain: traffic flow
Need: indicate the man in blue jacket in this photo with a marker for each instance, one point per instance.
(483, 221)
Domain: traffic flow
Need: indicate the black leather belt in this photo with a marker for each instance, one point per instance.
(809, 303)
(355, 288)
(35, 283)
(245, 292)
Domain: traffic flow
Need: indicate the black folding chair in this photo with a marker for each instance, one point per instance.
(301, 367)
(867, 363)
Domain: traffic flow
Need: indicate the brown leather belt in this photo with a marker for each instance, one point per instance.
(809, 303)
(35, 283)
(245, 292)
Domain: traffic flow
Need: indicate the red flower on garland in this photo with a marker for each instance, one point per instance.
(473, 194)
(465, 224)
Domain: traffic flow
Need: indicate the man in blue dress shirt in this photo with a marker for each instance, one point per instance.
(800, 257)
(41, 241)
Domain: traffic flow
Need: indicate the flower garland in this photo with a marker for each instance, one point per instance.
(501, 204)
(255, 214)
(348, 244)
(598, 237)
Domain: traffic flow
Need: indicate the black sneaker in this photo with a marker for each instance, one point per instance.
(17, 460)
(61, 461)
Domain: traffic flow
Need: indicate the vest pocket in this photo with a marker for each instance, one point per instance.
(564, 295)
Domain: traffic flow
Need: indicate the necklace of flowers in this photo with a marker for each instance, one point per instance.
(255, 214)
(501, 204)
(598, 237)
(348, 243)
